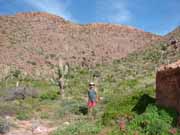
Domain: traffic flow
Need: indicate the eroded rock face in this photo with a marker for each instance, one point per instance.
(168, 85)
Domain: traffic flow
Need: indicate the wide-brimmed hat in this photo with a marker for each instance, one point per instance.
(91, 84)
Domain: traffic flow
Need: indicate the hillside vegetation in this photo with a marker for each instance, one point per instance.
(121, 60)
(126, 88)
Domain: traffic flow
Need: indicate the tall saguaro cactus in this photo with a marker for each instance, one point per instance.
(62, 71)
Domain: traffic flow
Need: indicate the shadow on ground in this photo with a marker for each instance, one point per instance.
(83, 110)
(142, 103)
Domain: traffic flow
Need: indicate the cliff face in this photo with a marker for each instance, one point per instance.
(34, 42)
(168, 86)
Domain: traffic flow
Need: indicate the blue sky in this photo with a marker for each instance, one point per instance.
(156, 16)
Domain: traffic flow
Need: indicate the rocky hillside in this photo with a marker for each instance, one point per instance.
(174, 34)
(34, 42)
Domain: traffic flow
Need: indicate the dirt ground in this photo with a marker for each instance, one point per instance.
(31, 127)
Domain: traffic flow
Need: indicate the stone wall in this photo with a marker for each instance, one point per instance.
(168, 86)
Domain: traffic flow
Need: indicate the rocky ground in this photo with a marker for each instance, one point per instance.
(29, 127)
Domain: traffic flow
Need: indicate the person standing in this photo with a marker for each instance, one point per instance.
(92, 98)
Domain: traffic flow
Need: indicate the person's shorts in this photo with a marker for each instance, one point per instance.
(91, 103)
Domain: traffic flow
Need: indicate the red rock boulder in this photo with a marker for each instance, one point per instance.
(168, 86)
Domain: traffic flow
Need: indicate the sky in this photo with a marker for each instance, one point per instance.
(156, 16)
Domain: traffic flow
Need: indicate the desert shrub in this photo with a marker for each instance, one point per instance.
(49, 95)
(116, 108)
(129, 83)
(20, 93)
(52, 55)
(157, 127)
(154, 121)
(133, 102)
(96, 74)
(16, 73)
(23, 115)
(4, 126)
(8, 108)
(83, 71)
(119, 106)
(68, 107)
(164, 47)
(32, 63)
(44, 115)
(80, 128)
(42, 85)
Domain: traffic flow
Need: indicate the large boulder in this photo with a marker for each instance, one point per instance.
(168, 86)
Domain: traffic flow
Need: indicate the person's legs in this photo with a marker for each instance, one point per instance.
(90, 107)
(91, 111)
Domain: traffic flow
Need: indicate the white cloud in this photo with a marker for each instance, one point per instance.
(57, 7)
(115, 11)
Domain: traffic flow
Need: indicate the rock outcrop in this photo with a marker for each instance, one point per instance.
(173, 38)
(168, 86)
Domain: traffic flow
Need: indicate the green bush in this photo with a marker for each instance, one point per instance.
(50, 95)
(154, 121)
(116, 107)
(80, 128)
(23, 116)
(16, 73)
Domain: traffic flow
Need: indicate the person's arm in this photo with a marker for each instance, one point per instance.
(97, 96)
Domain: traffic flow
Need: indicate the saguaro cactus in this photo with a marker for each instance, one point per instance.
(62, 71)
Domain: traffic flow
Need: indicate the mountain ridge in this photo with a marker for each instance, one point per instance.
(34, 42)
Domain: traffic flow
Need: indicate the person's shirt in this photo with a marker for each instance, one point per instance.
(92, 95)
